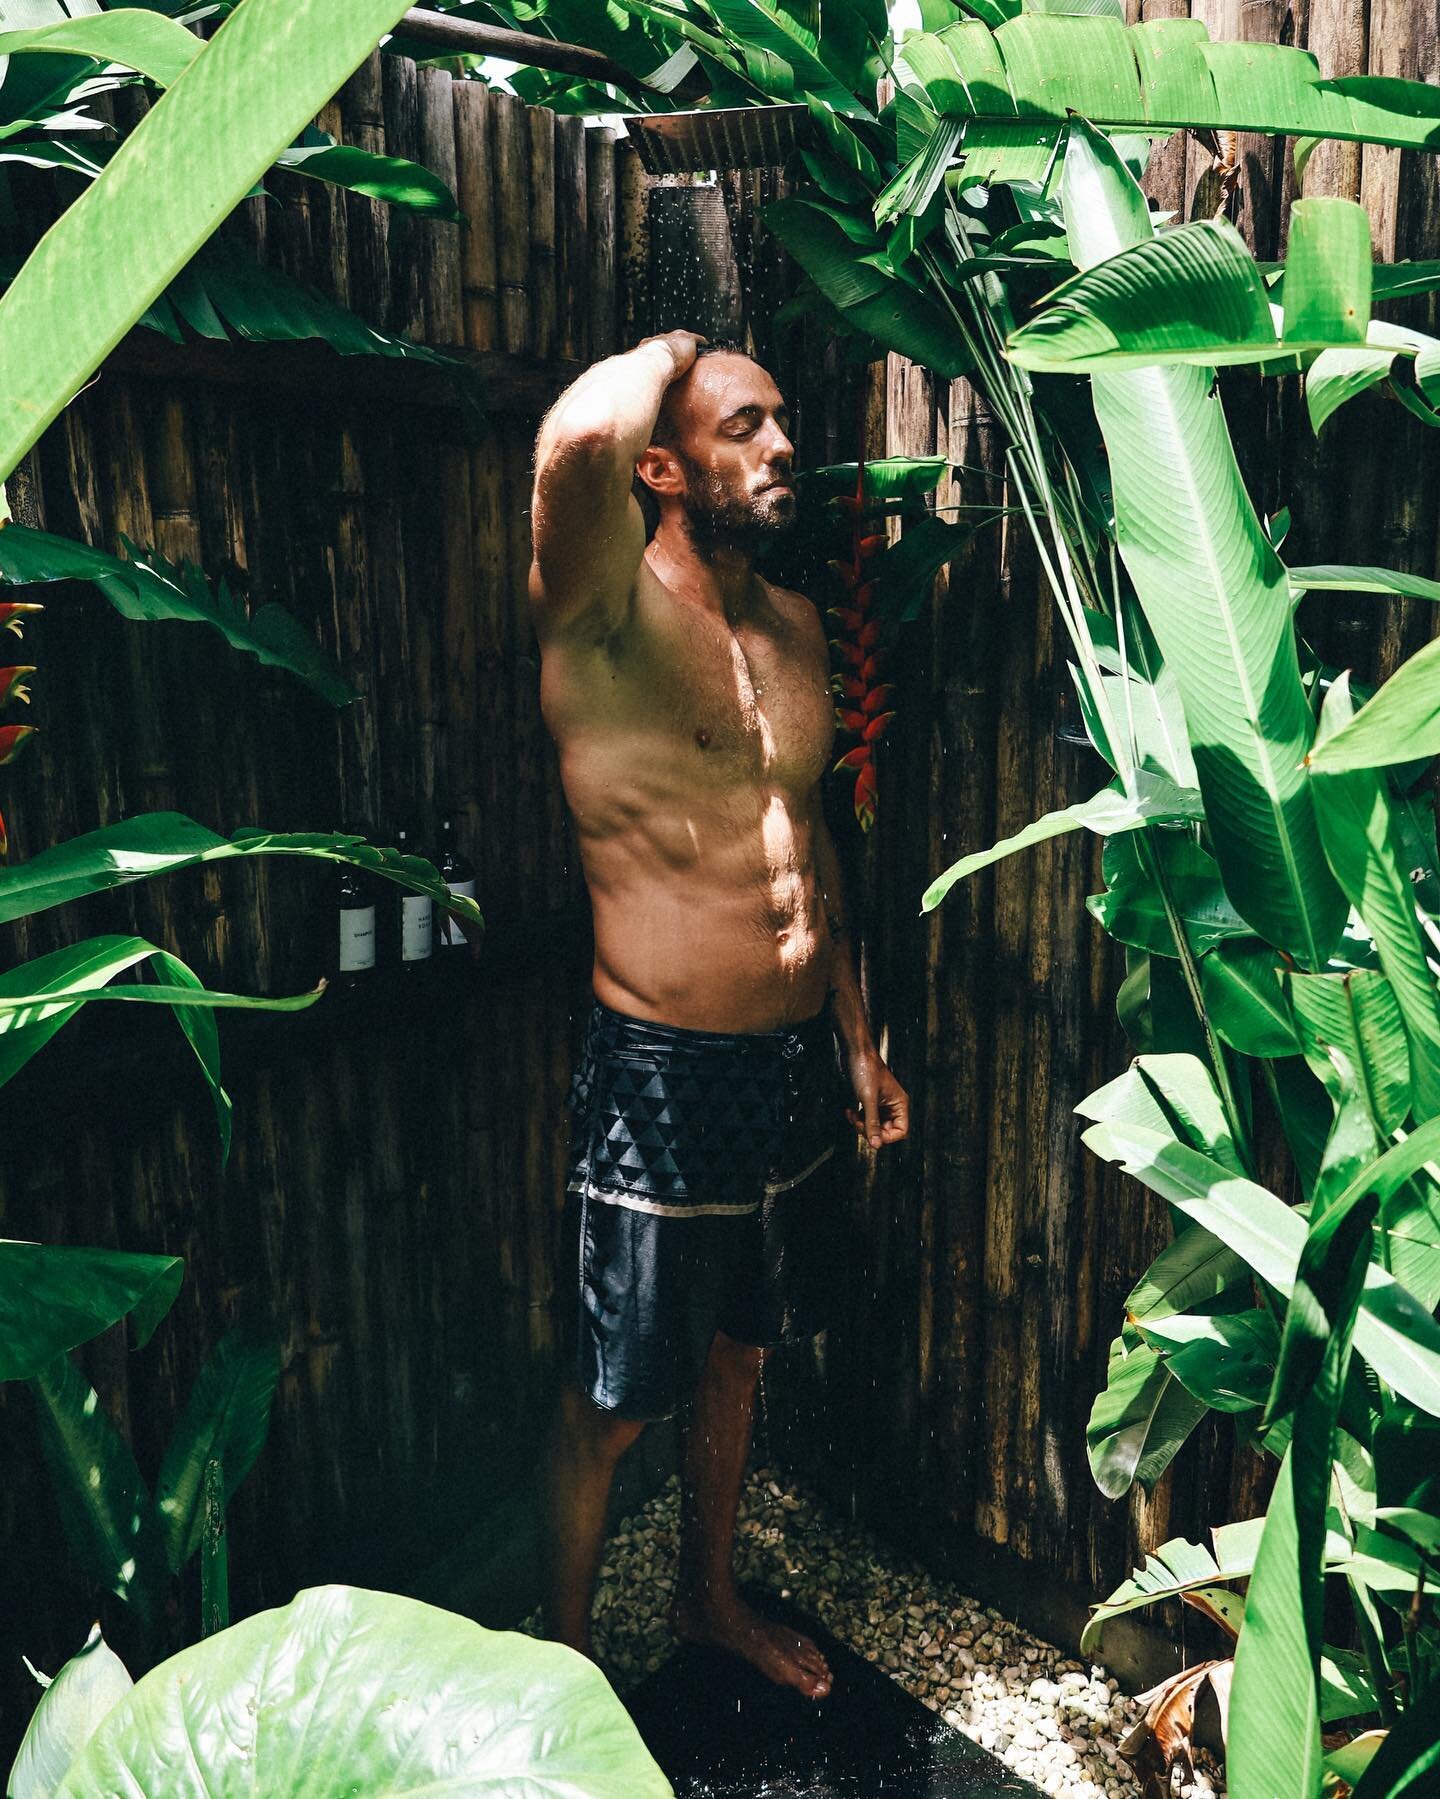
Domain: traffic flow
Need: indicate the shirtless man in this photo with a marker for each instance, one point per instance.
(691, 706)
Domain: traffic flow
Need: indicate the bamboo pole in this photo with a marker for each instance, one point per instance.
(362, 110)
(512, 221)
(404, 232)
(475, 191)
(572, 237)
(440, 261)
(601, 273)
(540, 123)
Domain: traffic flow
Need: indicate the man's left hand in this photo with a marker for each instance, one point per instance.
(883, 1113)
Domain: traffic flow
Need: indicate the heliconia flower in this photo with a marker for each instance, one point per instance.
(870, 546)
(848, 503)
(11, 611)
(852, 652)
(847, 574)
(870, 665)
(875, 727)
(851, 687)
(872, 699)
(13, 739)
(856, 758)
(865, 791)
(862, 598)
(10, 679)
(853, 721)
(869, 634)
(849, 620)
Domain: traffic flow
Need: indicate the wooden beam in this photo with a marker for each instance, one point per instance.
(315, 373)
(467, 37)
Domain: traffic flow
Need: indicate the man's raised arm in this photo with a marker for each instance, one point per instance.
(588, 532)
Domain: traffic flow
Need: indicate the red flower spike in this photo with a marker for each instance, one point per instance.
(13, 739)
(875, 697)
(871, 546)
(854, 721)
(853, 654)
(863, 596)
(856, 758)
(853, 689)
(846, 573)
(10, 611)
(10, 681)
(870, 634)
(870, 665)
(848, 503)
(875, 727)
(846, 618)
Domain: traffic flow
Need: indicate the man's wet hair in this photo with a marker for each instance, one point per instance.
(665, 433)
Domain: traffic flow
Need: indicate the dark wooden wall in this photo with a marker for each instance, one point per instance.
(394, 1195)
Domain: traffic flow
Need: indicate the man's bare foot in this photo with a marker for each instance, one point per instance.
(781, 1654)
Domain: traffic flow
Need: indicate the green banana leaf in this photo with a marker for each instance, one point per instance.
(1244, 1000)
(1334, 577)
(873, 301)
(1215, 595)
(1394, 1332)
(1225, 1360)
(154, 843)
(1174, 1568)
(1351, 1022)
(1362, 841)
(393, 180)
(197, 152)
(1140, 1418)
(226, 295)
(798, 61)
(1194, 294)
(227, 1416)
(154, 46)
(40, 997)
(104, 1505)
(1338, 375)
(53, 1299)
(145, 586)
(1132, 907)
(1164, 75)
(1407, 1763)
(372, 1694)
(887, 478)
(1172, 1092)
(90, 1685)
(1194, 1270)
(1401, 723)
(1110, 811)
(1273, 1732)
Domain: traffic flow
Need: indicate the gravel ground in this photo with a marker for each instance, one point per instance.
(1051, 1719)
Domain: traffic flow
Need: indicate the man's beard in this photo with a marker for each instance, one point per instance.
(718, 520)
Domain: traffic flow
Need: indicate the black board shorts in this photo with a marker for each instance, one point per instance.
(701, 1186)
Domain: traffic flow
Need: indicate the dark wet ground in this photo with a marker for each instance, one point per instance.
(722, 1731)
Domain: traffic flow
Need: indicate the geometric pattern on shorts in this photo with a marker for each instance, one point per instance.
(681, 1123)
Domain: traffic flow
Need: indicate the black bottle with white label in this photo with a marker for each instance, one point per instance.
(414, 914)
(458, 874)
(356, 919)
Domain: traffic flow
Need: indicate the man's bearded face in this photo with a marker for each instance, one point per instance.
(734, 508)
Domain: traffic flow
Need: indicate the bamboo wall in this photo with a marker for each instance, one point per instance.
(394, 1192)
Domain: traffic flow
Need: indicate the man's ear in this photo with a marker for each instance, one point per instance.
(660, 471)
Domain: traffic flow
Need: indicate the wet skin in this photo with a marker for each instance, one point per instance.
(692, 713)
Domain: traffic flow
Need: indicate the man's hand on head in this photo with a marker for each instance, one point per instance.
(682, 346)
(883, 1113)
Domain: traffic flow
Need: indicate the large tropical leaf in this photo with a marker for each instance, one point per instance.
(104, 1505)
(1401, 723)
(1339, 577)
(40, 997)
(1133, 907)
(86, 1690)
(146, 586)
(191, 159)
(393, 180)
(797, 54)
(1110, 811)
(155, 843)
(1216, 597)
(52, 1299)
(226, 1417)
(140, 40)
(1362, 841)
(368, 1693)
(1407, 1763)
(1244, 1000)
(1166, 74)
(1174, 1568)
(1274, 1722)
(1394, 1332)
(1140, 1418)
(1195, 295)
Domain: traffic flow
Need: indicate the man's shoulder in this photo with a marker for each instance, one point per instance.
(796, 609)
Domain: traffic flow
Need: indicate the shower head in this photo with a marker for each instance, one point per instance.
(730, 137)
